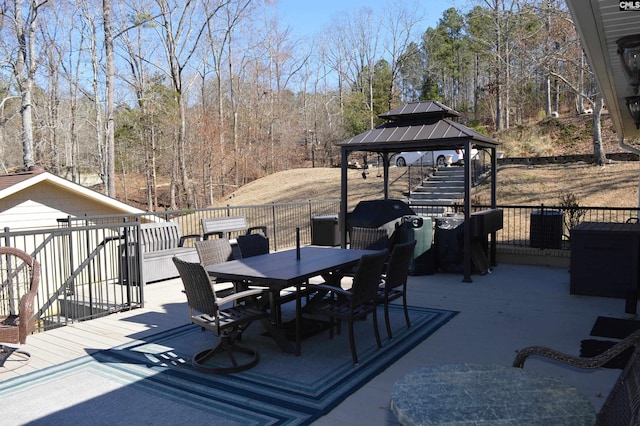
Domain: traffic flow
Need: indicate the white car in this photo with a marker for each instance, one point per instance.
(429, 158)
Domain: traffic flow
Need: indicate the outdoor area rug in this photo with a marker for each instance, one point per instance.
(592, 347)
(152, 381)
(614, 328)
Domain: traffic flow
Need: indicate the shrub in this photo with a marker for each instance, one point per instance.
(573, 213)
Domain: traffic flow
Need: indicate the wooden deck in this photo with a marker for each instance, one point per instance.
(165, 308)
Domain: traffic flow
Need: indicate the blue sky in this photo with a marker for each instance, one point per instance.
(307, 17)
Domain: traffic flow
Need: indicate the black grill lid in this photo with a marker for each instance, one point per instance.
(376, 213)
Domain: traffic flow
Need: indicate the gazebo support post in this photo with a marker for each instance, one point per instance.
(494, 202)
(342, 217)
(467, 213)
(385, 173)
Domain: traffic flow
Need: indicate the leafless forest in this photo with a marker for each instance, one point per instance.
(192, 99)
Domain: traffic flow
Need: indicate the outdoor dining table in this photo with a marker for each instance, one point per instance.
(289, 268)
(457, 394)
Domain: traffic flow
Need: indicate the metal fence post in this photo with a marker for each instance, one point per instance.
(275, 229)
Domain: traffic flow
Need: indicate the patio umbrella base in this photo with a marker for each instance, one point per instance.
(226, 357)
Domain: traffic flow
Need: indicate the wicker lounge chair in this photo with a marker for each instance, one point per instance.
(622, 406)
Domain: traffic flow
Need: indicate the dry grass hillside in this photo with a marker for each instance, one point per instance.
(318, 184)
(613, 185)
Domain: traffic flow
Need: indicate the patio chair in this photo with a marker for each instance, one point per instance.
(355, 303)
(394, 281)
(368, 238)
(253, 245)
(19, 280)
(212, 252)
(226, 319)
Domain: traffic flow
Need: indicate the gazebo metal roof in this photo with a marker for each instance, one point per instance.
(420, 126)
(417, 126)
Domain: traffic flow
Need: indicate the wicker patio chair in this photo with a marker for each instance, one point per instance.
(394, 281)
(368, 238)
(353, 304)
(622, 406)
(212, 252)
(226, 319)
(19, 280)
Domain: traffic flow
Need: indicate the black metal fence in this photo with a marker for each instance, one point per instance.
(90, 265)
(281, 219)
(537, 226)
(82, 271)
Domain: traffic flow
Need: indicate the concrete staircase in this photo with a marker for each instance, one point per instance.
(444, 187)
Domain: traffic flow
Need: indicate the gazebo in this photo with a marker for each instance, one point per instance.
(420, 126)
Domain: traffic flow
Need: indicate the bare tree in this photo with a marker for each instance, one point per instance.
(353, 51)
(110, 185)
(220, 43)
(182, 25)
(3, 120)
(400, 24)
(24, 21)
(493, 30)
(596, 101)
(281, 65)
(90, 32)
(136, 53)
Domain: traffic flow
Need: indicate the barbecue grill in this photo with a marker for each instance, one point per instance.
(378, 214)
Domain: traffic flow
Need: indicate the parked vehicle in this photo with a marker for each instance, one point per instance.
(429, 158)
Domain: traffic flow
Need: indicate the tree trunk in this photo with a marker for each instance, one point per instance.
(182, 152)
(598, 150)
(548, 96)
(24, 72)
(110, 186)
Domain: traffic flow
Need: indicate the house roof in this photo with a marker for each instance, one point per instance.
(418, 126)
(15, 182)
(600, 23)
(7, 181)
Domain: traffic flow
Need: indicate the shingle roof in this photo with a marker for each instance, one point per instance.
(9, 180)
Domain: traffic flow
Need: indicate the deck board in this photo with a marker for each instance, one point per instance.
(81, 338)
(513, 307)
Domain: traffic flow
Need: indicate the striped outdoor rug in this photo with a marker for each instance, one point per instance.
(152, 381)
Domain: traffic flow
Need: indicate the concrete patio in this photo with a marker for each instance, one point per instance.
(512, 307)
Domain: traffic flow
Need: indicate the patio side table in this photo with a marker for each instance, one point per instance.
(463, 394)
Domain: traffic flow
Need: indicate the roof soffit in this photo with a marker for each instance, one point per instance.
(600, 23)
